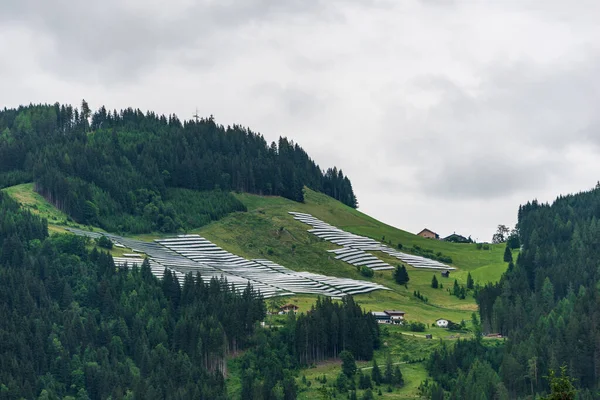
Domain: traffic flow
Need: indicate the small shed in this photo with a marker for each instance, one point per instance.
(446, 274)
(429, 336)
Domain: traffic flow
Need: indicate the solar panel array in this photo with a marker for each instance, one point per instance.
(355, 247)
(193, 253)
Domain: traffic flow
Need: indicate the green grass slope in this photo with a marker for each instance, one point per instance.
(268, 231)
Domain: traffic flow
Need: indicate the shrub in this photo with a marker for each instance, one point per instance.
(104, 242)
(367, 272)
(416, 327)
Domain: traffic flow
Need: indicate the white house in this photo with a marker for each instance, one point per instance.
(442, 323)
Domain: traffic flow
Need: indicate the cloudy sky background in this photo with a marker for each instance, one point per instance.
(445, 114)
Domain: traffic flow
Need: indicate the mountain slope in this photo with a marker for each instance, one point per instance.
(266, 230)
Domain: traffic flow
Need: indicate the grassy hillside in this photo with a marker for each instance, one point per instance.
(267, 230)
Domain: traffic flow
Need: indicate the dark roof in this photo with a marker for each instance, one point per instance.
(379, 314)
(289, 305)
(457, 237)
(394, 312)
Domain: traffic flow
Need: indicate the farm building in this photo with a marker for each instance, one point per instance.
(426, 233)
(456, 238)
(446, 274)
(381, 317)
(286, 309)
(395, 315)
(442, 323)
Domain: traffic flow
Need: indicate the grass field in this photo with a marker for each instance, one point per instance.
(35, 203)
(268, 231)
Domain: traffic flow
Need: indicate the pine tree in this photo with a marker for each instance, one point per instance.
(434, 282)
(398, 379)
(561, 387)
(401, 275)
(376, 373)
(470, 283)
(456, 289)
(348, 363)
(508, 255)
(389, 371)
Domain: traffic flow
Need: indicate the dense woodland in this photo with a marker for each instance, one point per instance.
(117, 169)
(547, 304)
(75, 327)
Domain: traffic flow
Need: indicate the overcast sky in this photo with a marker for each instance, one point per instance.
(444, 114)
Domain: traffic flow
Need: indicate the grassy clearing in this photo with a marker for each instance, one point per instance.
(37, 204)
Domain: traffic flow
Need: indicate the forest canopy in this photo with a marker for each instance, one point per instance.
(118, 170)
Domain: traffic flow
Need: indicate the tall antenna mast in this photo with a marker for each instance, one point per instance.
(196, 116)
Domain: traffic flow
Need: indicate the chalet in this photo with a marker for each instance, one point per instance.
(456, 238)
(446, 274)
(426, 233)
(442, 323)
(381, 317)
(395, 315)
(286, 309)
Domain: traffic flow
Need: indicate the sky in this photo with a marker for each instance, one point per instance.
(445, 114)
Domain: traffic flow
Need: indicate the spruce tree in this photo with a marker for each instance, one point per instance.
(398, 379)
(376, 373)
(348, 363)
(434, 282)
(561, 387)
(456, 289)
(508, 254)
(401, 275)
(470, 283)
(389, 372)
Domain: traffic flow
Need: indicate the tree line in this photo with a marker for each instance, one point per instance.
(106, 166)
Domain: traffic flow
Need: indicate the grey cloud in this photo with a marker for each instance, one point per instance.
(523, 118)
(488, 176)
(119, 43)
